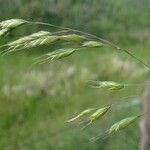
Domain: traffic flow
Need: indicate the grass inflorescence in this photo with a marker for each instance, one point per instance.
(89, 40)
(75, 41)
(8, 25)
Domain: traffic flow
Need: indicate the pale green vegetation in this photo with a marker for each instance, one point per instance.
(38, 94)
(36, 100)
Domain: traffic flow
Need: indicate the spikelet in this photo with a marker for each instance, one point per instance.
(72, 38)
(61, 53)
(57, 54)
(36, 35)
(30, 41)
(8, 25)
(83, 113)
(45, 40)
(4, 32)
(92, 44)
(122, 124)
(106, 84)
(99, 113)
(26, 39)
(12, 23)
(49, 40)
(40, 34)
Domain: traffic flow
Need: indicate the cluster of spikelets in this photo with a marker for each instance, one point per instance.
(110, 85)
(46, 38)
(98, 114)
(77, 40)
(81, 39)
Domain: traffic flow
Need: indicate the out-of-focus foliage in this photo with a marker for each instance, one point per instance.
(111, 18)
(36, 100)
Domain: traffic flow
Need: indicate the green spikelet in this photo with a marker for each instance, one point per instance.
(12, 23)
(72, 38)
(4, 32)
(61, 53)
(57, 54)
(26, 39)
(106, 84)
(99, 113)
(8, 25)
(48, 40)
(83, 113)
(33, 40)
(92, 44)
(122, 124)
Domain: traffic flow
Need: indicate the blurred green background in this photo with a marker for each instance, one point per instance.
(36, 100)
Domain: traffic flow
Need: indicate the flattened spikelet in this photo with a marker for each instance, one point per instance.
(111, 85)
(8, 25)
(99, 113)
(45, 40)
(122, 124)
(48, 40)
(28, 38)
(12, 23)
(83, 113)
(57, 54)
(72, 38)
(92, 44)
(33, 40)
(33, 36)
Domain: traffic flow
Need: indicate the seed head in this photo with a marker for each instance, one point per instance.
(92, 44)
(106, 84)
(60, 53)
(82, 114)
(26, 39)
(12, 23)
(72, 38)
(33, 40)
(99, 113)
(122, 124)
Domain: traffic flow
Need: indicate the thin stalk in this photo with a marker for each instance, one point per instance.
(108, 43)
